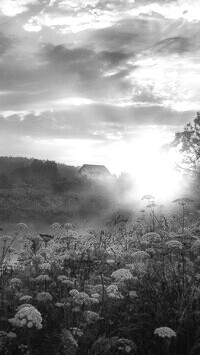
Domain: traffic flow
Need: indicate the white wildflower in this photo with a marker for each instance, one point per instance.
(174, 245)
(27, 316)
(91, 317)
(122, 275)
(165, 332)
(43, 297)
(45, 266)
(25, 298)
(42, 278)
(140, 255)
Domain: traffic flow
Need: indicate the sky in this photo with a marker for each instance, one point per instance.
(91, 81)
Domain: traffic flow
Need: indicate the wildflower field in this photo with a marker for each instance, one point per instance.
(128, 288)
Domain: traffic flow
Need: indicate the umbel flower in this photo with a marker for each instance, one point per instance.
(165, 332)
(25, 298)
(91, 317)
(151, 237)
(140, 255)
(21, 226)
(195, 248)
(27, 316)
(113, 292)
(62, 278)
(81, 298)
(24, 305)
(122, 275)
(42, 278)
(16, 282)
(44, 297)
(45, 266)
(174, 245)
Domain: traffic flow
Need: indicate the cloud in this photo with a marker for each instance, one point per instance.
(12, 8)
(91, 122)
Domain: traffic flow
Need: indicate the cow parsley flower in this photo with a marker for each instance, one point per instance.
(59, 304)
(91, 317)
(110, 261)
(42, 278)
(56, 226)
(38, 259)
(24, 305)
(195, 248)
(73, 292)
(45, 266)
(95, 295)
(151, 237)
(16, 282)
(5, 238)
(62, 278)
(27, 316)
(122, 275)
(76, 331)
(25, 298)
(21, 226)
(112, 289)
(94, 300)
(43, 297)
(81, 298)
(140, 255)
(165, 332)
(174, 245)
(133, 294)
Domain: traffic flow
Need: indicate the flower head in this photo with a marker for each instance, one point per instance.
(140, 255)
(165, 332)
(27, 316)
(174, 245)
(42, 278)
(16, 282)
(44, 297)
(122, 275)
(25, 298)
(151, 237)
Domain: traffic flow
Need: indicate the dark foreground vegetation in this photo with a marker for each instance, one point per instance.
(120, 290)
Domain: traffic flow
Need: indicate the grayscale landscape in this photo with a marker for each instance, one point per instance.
(99, 177)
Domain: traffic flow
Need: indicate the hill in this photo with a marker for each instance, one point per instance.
(42, 190)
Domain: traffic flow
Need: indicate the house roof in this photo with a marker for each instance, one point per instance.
(94, 169)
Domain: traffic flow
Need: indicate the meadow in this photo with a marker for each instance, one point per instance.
(128, 287)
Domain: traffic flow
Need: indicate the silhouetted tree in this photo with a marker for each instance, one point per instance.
(188, 142)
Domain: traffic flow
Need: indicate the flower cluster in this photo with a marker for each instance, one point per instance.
(174, 245)
(25, 298)
(45, 266)
(113, 292)
(195, 248)
(42, 278)
(151, 237)
(44, 297)
(165, 332)
(80, 298)
(15, 282)
(91, 317)
(121, 275)
(140, 255)
(27, 316)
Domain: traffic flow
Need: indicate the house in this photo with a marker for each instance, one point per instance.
(94, 171)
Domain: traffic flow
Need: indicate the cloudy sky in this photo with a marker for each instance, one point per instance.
(82, 80)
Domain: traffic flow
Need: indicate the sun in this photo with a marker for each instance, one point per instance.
(151, 167)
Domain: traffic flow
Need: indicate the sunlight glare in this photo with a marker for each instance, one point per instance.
(151, 167)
